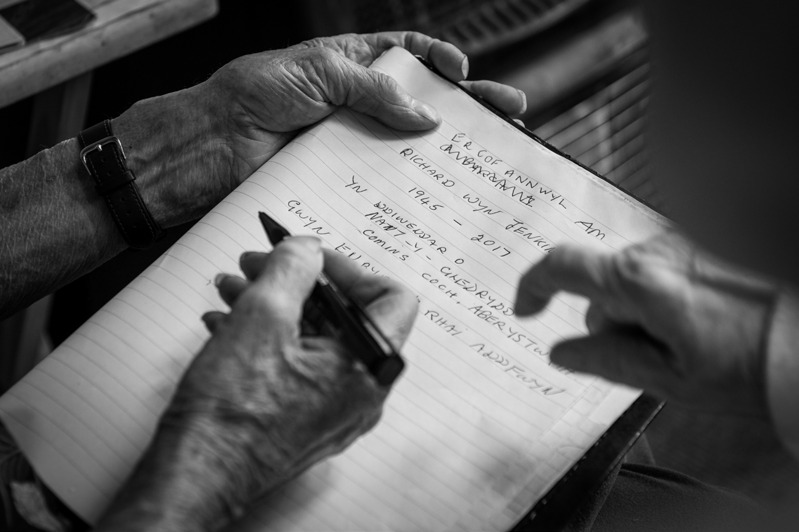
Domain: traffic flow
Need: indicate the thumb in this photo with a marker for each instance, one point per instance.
(626, 355)
(380, 96)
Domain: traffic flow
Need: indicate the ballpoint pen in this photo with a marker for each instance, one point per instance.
(371, 346)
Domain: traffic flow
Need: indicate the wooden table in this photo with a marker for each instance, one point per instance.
(57, 73)
(121, 27)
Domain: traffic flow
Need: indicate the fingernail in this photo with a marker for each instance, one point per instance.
(465, 67)
(523, 96)
(219, 278)
(427, 112)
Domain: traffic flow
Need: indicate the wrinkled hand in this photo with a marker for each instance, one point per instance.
(663, 317)
(190, 148)
(262, 401)
(285, 401)
(267, 97)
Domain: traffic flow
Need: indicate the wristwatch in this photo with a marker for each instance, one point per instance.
(103, 157)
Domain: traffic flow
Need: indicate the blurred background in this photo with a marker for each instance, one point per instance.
(584, 66)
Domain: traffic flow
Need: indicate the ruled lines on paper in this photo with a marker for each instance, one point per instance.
(479, 423)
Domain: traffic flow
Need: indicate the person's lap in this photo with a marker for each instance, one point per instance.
(636, 496)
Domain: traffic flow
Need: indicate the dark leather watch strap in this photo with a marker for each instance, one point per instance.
(103, 157)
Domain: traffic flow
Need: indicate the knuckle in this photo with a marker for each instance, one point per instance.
(326, 54)
(319, 55)
(316, 42)
(631, 271)
(561, 256)
(595, 318)
(376, 90)
(293, 259)
(259, 306)
(386, 84)
(254, 304)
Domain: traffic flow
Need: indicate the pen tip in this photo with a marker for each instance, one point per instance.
(274, 231)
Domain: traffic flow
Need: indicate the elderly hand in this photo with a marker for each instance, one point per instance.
(272, 94)
(220, 131)
(663, 317)
(262, 401)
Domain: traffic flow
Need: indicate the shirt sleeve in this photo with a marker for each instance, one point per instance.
(782, 370)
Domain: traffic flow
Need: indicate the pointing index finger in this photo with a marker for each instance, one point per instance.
(578, 270)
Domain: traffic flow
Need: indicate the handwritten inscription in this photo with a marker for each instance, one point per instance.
(492, 245)
(519, 372)
(447, 325)
(424, 198)
(591, 230)
(394, 227)
(355, 186)
(483, 155)
(357, 257)
(449, 292)
(467, 161)
(428, 169)
(478, 206)
(309, 222)
(395, 224)
(380, 242)
(539, 189)
(483, 163)
(518, 227)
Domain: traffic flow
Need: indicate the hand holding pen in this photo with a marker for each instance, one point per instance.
(346, 319)
(266, 398)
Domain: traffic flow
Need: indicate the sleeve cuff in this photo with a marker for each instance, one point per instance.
(782, 370)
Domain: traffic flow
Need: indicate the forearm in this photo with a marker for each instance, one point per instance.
(179, 484)
(176, 146)
(197, 479)
(56, 227)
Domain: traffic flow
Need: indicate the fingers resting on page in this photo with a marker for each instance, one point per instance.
(664, 317)
(445, 57)
(263, 99)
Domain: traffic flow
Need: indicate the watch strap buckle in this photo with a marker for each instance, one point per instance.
(98, 145)
(104, 159)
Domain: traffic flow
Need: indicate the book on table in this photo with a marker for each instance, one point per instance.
(481, 426)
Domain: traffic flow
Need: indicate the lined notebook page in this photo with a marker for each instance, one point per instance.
(479, 426)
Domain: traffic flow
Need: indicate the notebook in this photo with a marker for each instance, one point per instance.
(480, 427)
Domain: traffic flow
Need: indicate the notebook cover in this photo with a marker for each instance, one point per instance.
(555, 509)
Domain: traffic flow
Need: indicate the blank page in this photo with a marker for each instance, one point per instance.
(479, 426)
